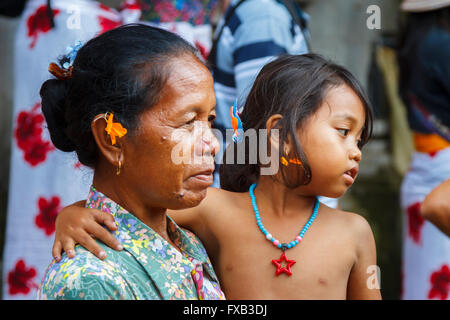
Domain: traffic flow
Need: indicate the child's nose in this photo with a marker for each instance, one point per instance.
(356, 154)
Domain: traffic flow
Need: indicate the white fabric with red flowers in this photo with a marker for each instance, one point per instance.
(42, 179)
(426, 250)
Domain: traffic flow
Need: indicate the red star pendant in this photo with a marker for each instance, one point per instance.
(281, 269)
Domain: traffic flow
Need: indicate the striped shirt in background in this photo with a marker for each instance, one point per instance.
(257, 32)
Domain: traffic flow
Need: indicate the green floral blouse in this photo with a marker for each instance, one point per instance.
(148, 267)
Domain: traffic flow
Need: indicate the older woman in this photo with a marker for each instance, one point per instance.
(131, 96)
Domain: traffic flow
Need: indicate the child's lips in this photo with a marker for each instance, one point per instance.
(348, 179)
(350, 175)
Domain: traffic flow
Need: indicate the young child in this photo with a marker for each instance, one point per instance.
(264, 234)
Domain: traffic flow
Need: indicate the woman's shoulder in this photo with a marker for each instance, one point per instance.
(82, 277)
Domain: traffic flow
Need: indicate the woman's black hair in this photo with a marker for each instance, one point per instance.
(416, 27)
(121, 71)
(294, 86)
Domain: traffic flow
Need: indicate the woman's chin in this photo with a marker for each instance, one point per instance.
(190, 199)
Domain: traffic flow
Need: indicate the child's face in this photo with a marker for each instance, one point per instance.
(330, 139)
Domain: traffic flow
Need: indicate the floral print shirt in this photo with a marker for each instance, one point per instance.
(147, 268)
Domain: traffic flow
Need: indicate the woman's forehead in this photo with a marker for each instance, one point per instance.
(189, 85)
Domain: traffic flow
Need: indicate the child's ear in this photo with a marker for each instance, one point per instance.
(273, 124)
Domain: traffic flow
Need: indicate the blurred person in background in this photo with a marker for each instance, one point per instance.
(43, 179)
(436, 207)
(424, 61)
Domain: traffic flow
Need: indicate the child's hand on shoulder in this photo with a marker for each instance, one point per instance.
(75, 224)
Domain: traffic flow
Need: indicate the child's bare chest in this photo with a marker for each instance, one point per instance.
(319, 266)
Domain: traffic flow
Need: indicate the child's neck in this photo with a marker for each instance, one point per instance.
(279, 200)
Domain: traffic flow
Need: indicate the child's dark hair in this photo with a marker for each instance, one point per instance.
(121, 71)
(294, 86)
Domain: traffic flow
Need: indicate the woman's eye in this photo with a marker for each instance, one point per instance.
(344, 132)
(190, 121)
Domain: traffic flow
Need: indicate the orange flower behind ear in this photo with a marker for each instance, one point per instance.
(114, 129)
(295, 161)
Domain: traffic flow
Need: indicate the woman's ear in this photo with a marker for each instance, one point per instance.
(112, 153)
(273, 124)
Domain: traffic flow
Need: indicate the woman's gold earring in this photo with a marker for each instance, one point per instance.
(119, 167)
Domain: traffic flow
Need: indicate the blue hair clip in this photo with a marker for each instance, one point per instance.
(71, 53)
(236, 123)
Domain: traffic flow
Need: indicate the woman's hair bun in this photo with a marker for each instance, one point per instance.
(53, 95)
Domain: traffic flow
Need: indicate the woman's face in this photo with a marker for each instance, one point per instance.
(170, 160)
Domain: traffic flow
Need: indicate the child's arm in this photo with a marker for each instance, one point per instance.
(77, 224)
(363, 282)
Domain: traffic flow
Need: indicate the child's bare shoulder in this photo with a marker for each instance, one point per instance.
(221, 200)
(352, 223)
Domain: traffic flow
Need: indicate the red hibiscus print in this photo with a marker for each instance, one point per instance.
(107, 24)
(29, 126)
(20, 279)
(130, 5)
(37, 152)
(202, 50)
(415, 222)
(39, 22)
(28, 134)
(48, 210)
(105, 7)
(440, 283)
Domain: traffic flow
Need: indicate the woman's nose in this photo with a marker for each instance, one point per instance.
(210, 144)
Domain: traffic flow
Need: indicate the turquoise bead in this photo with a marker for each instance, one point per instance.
(265, 232)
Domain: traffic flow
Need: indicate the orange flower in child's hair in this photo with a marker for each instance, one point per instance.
(295, 161)
(114, 129)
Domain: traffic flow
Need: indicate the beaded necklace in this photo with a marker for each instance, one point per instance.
(275, 242)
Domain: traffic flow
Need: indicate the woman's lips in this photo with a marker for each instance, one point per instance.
(203, 178)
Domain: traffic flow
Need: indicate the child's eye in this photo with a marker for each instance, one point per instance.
(211, 118)
(344, 132)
